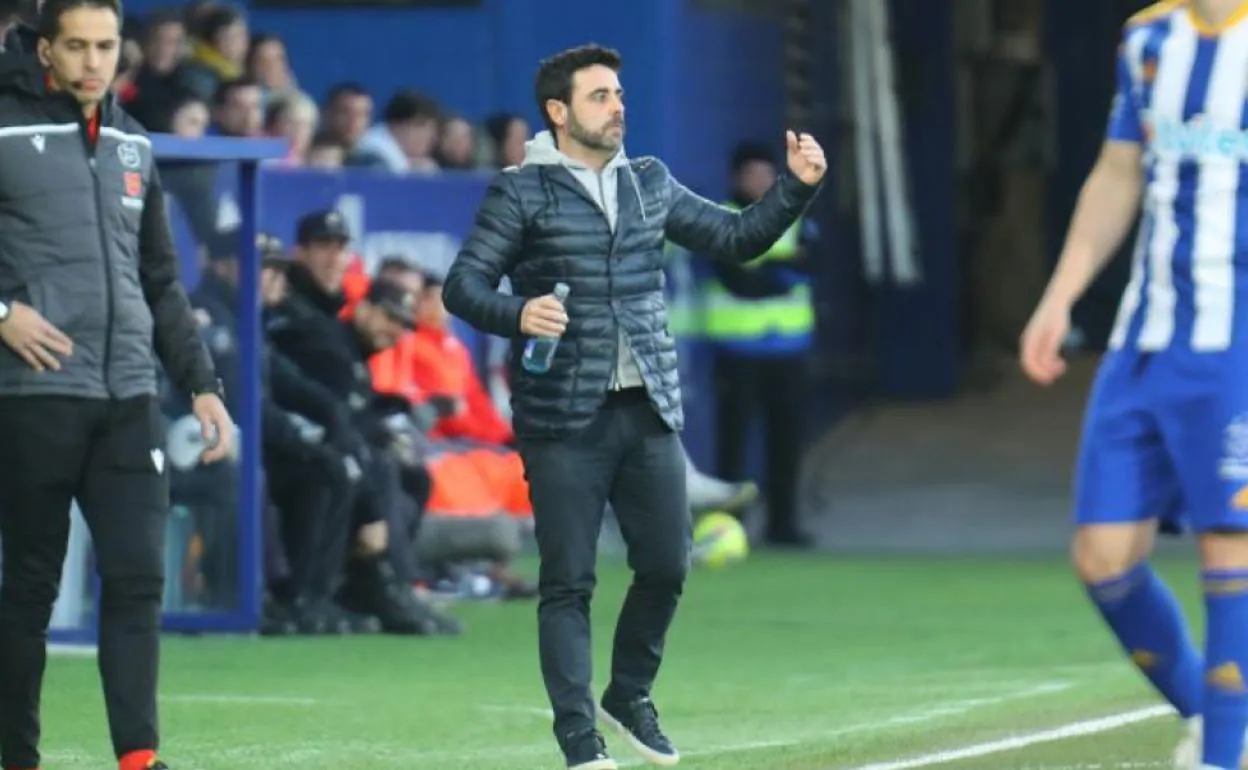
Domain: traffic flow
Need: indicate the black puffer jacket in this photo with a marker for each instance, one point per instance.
(538, 225)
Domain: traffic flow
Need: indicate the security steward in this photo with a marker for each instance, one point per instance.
(760, 320)
(90, 308)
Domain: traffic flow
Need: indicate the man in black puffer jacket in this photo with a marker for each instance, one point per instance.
(602, 423)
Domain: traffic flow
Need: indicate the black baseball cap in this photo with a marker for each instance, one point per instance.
(322, 226)
(391, 298)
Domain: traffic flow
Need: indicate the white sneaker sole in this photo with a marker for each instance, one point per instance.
(647, 753)
(1187, 753)
(596, 764)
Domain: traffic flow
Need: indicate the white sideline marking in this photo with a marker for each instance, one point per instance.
(532, 711)
(1103, 766)
(1065, 732)
(939, 711)
(712, 751)
(228, 699)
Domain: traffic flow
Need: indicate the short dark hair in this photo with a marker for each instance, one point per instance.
(554, 74)
(408, 106)
(227, 87)
(52, 11)
(395, 264)
(212, 21)
(346, 88)
(750, 151)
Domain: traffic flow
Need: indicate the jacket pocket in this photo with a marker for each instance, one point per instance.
(56, 304)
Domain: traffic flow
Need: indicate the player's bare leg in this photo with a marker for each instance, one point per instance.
(1102, 552)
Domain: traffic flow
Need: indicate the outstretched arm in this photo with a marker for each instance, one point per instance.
(740, 236)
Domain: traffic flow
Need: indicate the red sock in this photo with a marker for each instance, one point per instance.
(137, 760)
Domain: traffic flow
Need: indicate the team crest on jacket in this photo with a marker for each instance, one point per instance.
(128, 154)
(134, 190)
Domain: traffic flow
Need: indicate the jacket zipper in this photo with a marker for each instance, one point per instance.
(108, 262)
(615, 363)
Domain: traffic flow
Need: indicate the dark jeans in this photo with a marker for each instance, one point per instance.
(630, 458)
(109, 456)
(773, 388)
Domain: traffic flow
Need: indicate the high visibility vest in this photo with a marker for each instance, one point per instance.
(784, 321)
(682, 293)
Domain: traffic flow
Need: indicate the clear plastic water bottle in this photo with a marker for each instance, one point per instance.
(539, 352)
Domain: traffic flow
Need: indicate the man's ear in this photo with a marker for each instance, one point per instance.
(44, 50)
(557, 111)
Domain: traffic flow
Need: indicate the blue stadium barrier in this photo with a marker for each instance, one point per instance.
(248, 154)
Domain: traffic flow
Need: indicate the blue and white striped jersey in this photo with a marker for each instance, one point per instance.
(1182, 95)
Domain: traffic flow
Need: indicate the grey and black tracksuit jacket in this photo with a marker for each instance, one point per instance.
(84, 239)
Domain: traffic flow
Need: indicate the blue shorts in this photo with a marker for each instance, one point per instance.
(1165, 437)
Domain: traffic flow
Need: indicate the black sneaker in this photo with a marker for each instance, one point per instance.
(638, 723)
(278, 619)
(587, 751)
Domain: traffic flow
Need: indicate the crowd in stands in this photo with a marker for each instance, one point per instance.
(391, 484)
(201, 70)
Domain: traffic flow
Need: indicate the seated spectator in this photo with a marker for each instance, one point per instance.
(190, 183)
(267, 65)
(334, 354)
(155, 89)
(238, 109)
(441, 365)
(189, 117)
(218, 50)
(478, 508)
(405, 139)
(292, 117)
(298, 419)
(325, 152)
(507, 134)
(348, 114)
(457, 144)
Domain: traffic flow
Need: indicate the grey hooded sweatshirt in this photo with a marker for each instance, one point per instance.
(603, 187)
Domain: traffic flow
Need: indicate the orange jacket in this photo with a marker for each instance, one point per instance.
(441, 365)
(433, 362)
(354, 286)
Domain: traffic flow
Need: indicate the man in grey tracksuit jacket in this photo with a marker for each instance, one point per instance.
(86, 260)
